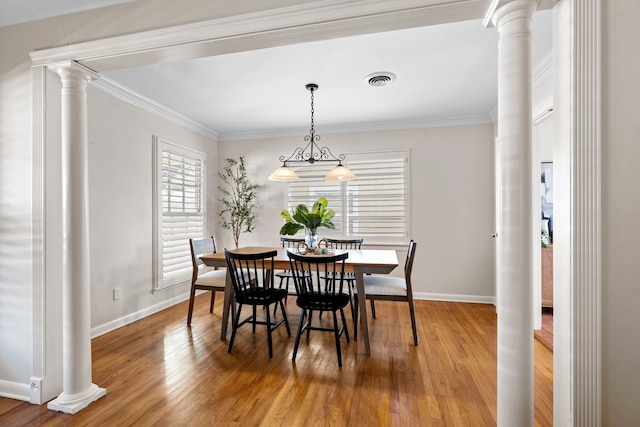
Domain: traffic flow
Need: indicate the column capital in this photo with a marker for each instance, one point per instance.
(499, 8)
(68, 67)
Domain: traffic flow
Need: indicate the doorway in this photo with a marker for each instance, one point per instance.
(543, 140)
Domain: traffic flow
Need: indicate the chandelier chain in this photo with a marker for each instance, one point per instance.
(312, 131)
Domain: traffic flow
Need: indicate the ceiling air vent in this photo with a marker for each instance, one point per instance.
(381, 78)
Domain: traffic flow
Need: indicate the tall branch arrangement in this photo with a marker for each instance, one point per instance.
(238, 198)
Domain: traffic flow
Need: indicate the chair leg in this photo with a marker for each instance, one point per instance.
(373, 308)
(336, 332)
(295, 345)
(269, 333)
(351, 299)
(355, 319)
(287, 285)
(275, 307)
(412, 312)
(344, 325)
(191, 300)
(234, 326)
(284, 316)
(213, 300)
(254, 319)
(309, 328)
(233, 307)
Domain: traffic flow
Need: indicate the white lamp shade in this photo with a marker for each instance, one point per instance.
(283, 173)
(339, 173)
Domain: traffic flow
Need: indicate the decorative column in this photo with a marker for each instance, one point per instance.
(515, 239)
(78, 391)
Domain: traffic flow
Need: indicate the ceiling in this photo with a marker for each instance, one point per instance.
(19, 11)
(446, 74)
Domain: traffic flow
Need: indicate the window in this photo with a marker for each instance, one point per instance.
(375, 206)
(179, 181)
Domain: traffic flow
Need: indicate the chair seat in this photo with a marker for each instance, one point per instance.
(323, 302)
(385, 285)
(216, 278)
(262, 296)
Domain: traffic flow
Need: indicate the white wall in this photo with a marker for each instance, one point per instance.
(451, 201)
(15, 220)
(120, 204)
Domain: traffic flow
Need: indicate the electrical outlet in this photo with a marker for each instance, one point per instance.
(116, 293)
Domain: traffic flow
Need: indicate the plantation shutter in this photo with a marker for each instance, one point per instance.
(310, 187)
(182, 213)
(377, 201)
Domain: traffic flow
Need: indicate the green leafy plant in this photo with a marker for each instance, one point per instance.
(303, 217)
(238, 198)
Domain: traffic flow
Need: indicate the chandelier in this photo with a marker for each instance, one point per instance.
(311, 154)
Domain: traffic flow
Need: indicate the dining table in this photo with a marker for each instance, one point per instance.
(360, 262)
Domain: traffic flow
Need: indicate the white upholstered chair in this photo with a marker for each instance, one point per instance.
(212, 280)
(388, 288)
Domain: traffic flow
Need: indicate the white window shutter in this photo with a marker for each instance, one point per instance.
(180, 196)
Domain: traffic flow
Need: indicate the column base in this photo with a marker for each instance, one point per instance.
(70, 404)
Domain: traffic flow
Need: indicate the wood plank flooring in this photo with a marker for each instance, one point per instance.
(159, 372)
(545, 334)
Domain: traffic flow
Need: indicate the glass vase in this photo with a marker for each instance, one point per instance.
(311, 237)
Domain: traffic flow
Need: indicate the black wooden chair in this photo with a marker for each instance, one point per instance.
(252, 279)
(213, 280)
(349, 278)
(315, 294)
(286, 275)
(388, 288)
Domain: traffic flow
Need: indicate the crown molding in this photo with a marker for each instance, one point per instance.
(134, 98)
(543, 69)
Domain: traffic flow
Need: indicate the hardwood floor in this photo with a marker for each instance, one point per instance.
(545, 334)
(157, 371)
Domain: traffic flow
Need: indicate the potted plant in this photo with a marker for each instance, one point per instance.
(238, 198)
(309, 219)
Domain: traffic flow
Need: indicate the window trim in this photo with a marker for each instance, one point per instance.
(159, 146)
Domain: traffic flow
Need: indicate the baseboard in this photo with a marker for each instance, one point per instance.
(130, 318)
(479, 299)
(13, 390)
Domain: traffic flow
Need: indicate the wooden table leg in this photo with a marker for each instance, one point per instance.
(362, 312)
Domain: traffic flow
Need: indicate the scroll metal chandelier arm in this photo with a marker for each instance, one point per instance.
(311, 153)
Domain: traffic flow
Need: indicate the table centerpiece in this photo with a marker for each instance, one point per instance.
(308, 219)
